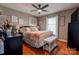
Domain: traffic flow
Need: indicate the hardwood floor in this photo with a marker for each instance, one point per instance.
(60, 50)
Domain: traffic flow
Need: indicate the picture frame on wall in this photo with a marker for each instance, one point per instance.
(62, 20)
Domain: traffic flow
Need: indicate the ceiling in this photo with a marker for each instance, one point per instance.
(52, 8)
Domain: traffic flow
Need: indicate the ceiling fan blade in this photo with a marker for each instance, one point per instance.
(39, 5)
(34, 6)
(45, 6)
(33, 10)
(45, 10)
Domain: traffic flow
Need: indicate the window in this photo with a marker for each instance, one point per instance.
(52, 24)
(20, 21)
(14, 19)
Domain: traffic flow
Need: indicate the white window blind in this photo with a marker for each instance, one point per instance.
(52, 24)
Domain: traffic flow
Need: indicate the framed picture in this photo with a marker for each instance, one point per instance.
(62, 20)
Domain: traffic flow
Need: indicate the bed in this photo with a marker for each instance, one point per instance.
(34, 37)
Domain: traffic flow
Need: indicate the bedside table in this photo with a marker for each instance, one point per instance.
(50, 43)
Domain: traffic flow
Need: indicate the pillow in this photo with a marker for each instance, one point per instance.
(28, 29)
(24, 29)
(34, 29)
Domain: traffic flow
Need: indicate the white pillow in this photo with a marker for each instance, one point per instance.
(34, 29)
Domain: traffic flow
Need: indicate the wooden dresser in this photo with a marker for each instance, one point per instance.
(13, 45)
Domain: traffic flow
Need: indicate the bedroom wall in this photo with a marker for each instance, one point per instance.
(41, 21)
(10, 12)
(63, 24)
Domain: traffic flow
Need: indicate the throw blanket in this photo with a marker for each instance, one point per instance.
(37, 35)
(36, 39)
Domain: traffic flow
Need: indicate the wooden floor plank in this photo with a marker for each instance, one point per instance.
(60, 50)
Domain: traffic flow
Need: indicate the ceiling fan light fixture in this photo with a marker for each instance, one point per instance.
(39, 10)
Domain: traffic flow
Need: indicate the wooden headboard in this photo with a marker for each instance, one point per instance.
(26, 26)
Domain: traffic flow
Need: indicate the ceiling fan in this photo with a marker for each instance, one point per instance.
(39, 8)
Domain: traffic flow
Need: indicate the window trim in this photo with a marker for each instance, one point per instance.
(53, 24)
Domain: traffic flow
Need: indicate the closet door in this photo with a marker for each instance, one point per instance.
(62, 28)
(62, 33)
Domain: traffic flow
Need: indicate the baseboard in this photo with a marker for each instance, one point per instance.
(62, 40)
